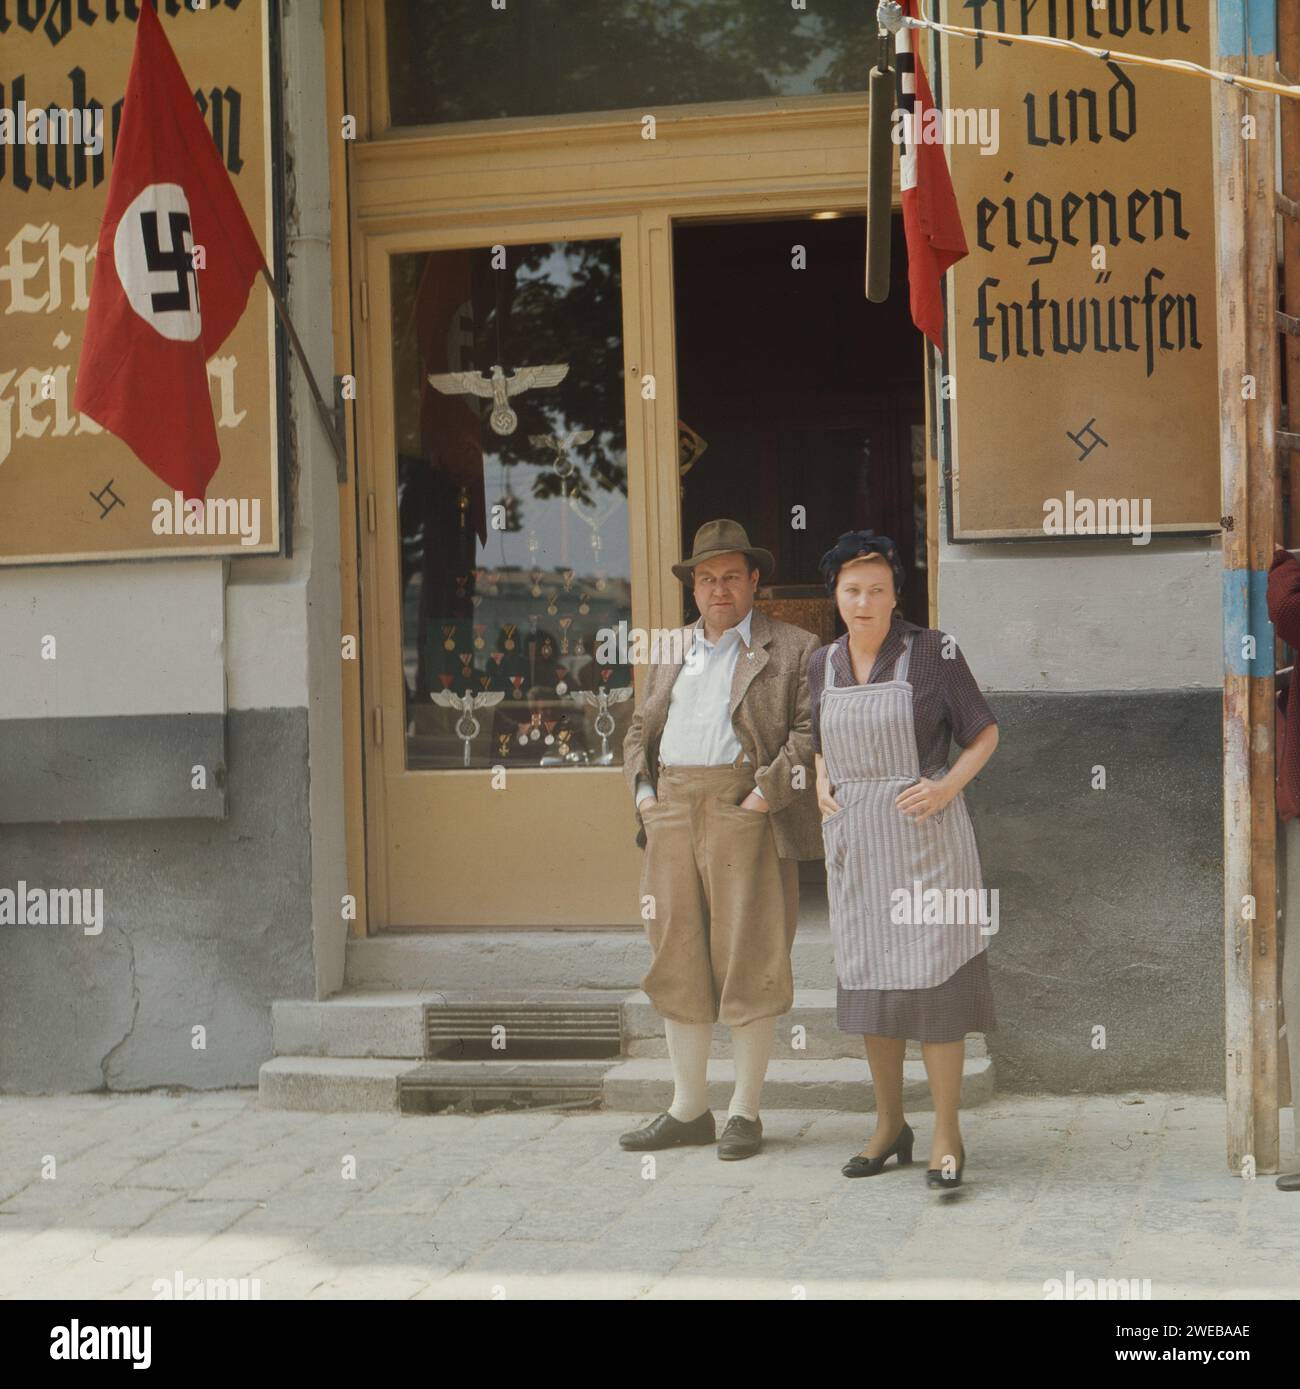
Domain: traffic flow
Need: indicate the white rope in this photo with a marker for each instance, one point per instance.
(889, 15)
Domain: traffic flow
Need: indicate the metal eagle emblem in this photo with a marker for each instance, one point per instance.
(498, 386)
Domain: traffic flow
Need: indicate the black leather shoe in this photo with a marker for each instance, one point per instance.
(1289, 1181)
(937, 1180)
(859, 1166)
(667, 1132)
(741, 1138)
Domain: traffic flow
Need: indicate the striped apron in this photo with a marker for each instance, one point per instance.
(879, 863)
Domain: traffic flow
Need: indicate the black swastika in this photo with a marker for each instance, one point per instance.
(175, 259)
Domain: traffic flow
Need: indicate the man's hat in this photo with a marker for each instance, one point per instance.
(724, 538)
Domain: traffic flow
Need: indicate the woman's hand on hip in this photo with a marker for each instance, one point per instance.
(924, 799)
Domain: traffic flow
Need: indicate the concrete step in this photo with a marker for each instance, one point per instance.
(813, 1012)
(475, 960)
(335, 1085)
(328, 1084)
(392, 1023)
(645, 1085)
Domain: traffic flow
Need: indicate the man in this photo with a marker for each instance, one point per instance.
(719, 758)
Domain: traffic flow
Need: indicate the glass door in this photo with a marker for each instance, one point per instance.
(505, 482)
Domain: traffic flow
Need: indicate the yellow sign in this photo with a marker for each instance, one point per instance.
(68, 489)
(1081, 360)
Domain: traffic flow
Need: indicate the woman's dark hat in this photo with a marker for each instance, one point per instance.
(854, 545)
(724, 538)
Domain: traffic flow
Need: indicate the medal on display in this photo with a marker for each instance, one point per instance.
(449, 638)
(509, 630)
(565, 624)
(479, 629)
(561, 676)
(549, 726)
(517, 684)
(583, 605)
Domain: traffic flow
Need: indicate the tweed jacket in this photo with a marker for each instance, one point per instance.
(771, 716)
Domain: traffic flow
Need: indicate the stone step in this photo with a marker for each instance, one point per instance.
(330, 1084)
(392, 1023)
(645, 1085)
(614, 958)
(813, 1011)
(335, 1084)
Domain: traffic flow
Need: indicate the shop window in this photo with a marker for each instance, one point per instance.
(512, 503)
(461, 60)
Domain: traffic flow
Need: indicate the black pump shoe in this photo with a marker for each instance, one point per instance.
(667, 1132)
(936, 1179)
(859, 1166)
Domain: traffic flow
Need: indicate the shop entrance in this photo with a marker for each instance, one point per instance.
(801, 404)
(527, 496)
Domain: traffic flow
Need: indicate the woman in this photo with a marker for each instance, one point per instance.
(886, 699)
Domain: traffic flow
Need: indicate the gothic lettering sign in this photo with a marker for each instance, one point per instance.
(69, 490)
(1081, 328)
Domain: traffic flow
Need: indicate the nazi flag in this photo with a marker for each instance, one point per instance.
(155, 317)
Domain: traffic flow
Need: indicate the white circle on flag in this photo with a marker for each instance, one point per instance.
(152, 252)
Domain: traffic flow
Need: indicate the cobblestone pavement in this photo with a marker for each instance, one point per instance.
(211, 1186)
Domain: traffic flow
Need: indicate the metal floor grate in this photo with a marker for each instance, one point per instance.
(522, 1031)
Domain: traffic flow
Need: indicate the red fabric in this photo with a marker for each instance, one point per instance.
(931, 222)
(1283, 598)
(145, 383)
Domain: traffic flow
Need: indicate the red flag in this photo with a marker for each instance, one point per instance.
(931, 221)
(152, 325)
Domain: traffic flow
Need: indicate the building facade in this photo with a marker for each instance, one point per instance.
(668, 221)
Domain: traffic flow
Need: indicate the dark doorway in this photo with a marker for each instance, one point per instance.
(804, 394)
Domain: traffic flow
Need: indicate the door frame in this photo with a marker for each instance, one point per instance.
(651, 472)
(710, 161)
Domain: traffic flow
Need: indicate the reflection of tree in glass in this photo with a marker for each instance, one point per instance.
(456, 61)
(562, 303)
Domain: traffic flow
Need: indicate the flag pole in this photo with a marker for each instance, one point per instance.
(322, 410)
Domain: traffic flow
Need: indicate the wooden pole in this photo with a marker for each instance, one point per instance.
(1247, 278)
(1288, 58)
(322, 410)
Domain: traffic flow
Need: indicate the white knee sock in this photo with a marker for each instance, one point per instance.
(688, 1049)
(751, 1046)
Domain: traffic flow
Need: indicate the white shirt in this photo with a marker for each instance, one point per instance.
(698, 731)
